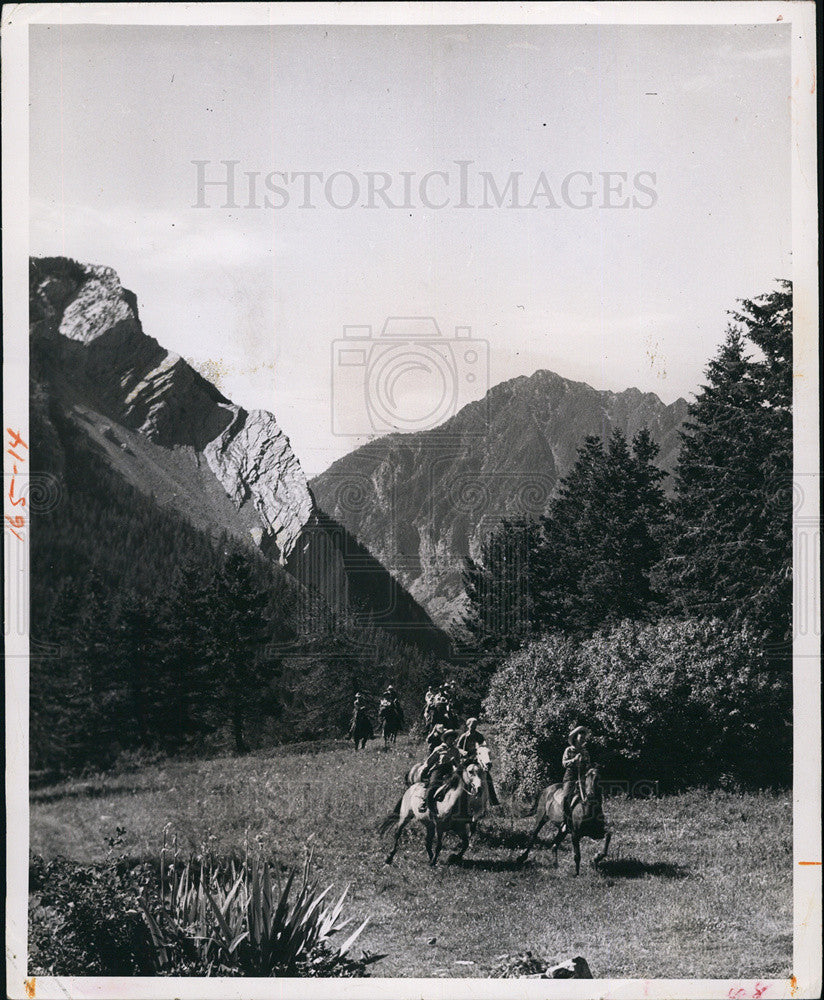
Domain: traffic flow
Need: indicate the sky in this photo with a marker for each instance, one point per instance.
(617, 288)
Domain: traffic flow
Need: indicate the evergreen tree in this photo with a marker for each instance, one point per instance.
(601, 537)
(499, 613)
(731, 540)
(588, 561)
(240, 624)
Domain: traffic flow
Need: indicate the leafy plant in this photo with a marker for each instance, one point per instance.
(680, 701)
(83, 919)
(234, 918)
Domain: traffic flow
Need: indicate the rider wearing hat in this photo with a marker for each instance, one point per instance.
(440, 765)
(359, 708)
(575, 763)
(391, 695)
(436, 736)
(471, 739)
(468, 743)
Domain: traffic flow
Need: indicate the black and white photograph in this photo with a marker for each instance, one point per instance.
(411, 515)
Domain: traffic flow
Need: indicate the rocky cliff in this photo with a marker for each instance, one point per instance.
(169, 433)
(89, 344)
(421, 502)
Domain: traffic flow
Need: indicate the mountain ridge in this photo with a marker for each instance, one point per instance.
(421, 502)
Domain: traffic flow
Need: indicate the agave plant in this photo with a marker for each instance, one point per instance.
(230, 917)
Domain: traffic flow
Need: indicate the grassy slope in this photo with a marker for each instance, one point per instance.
(701, 886)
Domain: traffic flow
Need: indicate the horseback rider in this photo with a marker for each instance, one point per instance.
(576, 763)
(391, 703)
(429, 699)
(471, 738)
(440, 765)
(358, 708)
(391, 696)
(435, 737)
(468, 743)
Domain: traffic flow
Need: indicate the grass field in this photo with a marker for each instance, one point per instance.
(699, 885)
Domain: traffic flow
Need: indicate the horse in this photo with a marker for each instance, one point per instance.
(462, 805)
(391, 720)
(413, 775)
(361, 730)
(587, 819)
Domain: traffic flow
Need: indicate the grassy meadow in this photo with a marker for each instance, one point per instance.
(698, 885)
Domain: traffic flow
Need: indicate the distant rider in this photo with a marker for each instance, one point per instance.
(358, 710)
(389, 701)
(575, 763)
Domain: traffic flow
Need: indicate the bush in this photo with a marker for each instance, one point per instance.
(682, 702)
(83, 919)
(201, 917)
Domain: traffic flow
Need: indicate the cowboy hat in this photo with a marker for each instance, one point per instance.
(449, 734)
(577, 731)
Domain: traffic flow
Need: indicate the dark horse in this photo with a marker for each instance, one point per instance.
(587, 819)
(361, 729)
(390, 716)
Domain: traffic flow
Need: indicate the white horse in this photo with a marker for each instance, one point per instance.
(465, 802)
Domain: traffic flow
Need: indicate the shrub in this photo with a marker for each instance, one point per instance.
(678, 701)
(83, 918)
(230, 919)
(201, 917)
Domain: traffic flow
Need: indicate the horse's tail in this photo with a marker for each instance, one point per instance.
(390, 818)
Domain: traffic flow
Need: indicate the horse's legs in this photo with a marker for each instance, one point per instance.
(398, 831)
(464, 835)
(576, 847)
(602, 854)
(430, 836)
(438, 843)
(533, 838)
(559, 836)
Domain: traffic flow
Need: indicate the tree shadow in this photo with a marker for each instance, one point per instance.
(635, 868)
(90, 792)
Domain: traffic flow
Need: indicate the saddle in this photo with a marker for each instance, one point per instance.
(558, 802)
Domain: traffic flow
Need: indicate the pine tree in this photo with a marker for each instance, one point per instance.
(731, 540)
(499, 610)
(240, 624)
(601, 537)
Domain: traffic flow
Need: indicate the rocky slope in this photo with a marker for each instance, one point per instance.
(168, 432)
(90, 346)
(421, 502)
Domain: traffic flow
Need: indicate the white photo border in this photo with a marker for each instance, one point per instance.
(16, 19)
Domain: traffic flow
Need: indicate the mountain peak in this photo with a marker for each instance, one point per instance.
(427, 500)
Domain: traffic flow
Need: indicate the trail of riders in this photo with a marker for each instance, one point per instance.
(452, 787)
